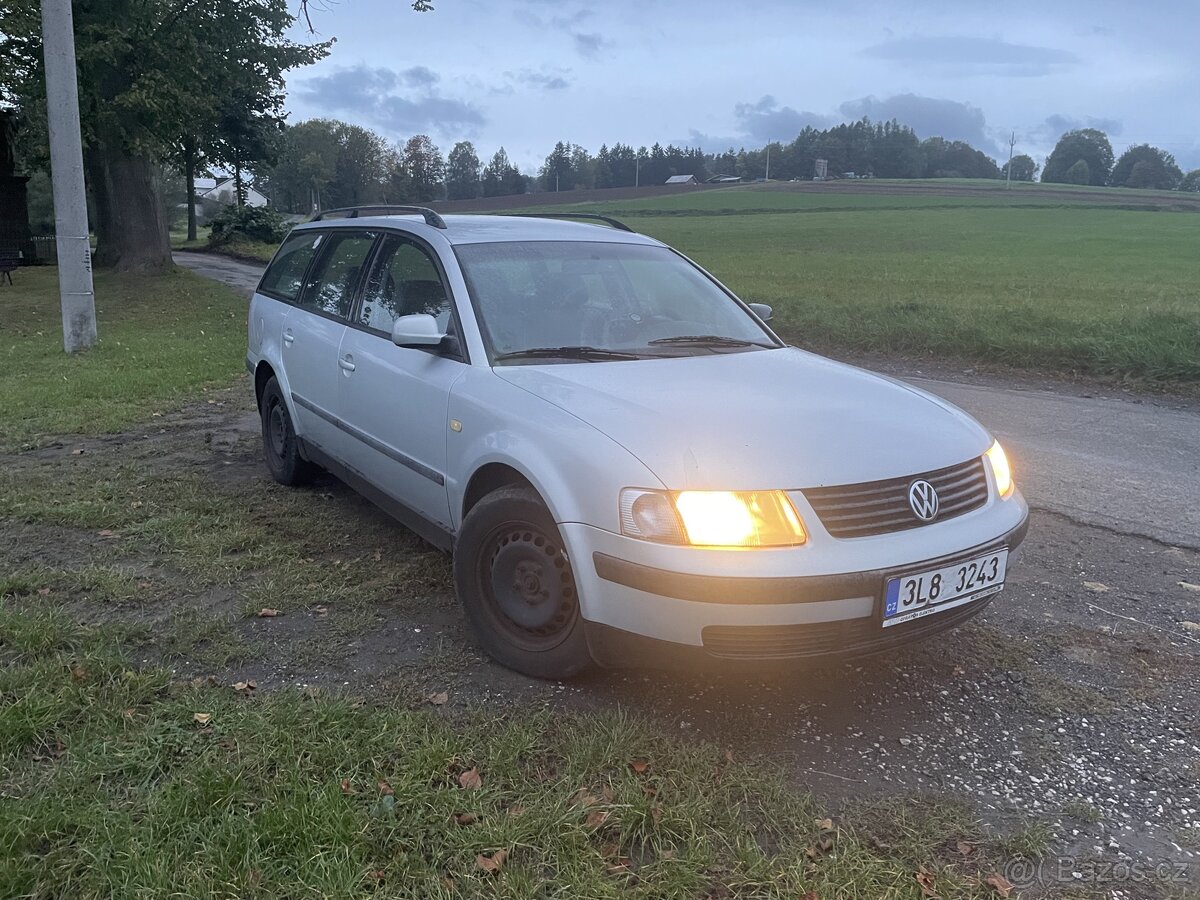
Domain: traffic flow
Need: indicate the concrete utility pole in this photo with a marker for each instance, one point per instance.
(66, 168)
(767, 176)
(637, 170)
(1012, 141)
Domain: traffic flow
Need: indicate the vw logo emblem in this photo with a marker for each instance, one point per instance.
(924, 500)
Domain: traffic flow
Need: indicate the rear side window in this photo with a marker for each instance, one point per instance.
(334, 277)
(285, 276)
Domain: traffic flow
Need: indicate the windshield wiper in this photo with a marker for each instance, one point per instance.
(708, 340)
(571, 352)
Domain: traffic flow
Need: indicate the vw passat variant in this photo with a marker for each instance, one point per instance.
(621, 454)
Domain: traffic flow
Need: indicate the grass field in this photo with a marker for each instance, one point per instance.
(1024, 280)
(161, 339)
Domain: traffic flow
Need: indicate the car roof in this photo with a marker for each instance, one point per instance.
(466, 229)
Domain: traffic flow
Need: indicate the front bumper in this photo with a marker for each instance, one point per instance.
(632, 609)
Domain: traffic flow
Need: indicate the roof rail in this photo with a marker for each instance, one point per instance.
(607, 220)
(353, 212)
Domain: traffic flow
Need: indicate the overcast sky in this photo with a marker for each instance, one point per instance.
(526, 73)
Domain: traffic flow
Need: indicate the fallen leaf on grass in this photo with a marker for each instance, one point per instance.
(656, 813)
(516, 811)
(267, 613)
(438, 699)
(78, 451)
(449, 883)
(491, 864)
(347, 787)
(465, 818)
(811, 895)
(965, 848)
(244, 687)
(79, 673)
(1188, 586)
(106, 533)
(470, 780)
(202, 719)
(378, 555)
(596, 818)
(825, 844)
(43, 592)
(824, 824)
(1095, 587)
(386, 789)
(1002, 885)
(926, 880)
(639, 766)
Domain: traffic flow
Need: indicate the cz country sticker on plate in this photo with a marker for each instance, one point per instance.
(925, 593)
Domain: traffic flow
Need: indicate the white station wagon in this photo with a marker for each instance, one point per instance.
(621, 454)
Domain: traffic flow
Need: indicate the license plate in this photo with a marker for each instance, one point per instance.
(925, 593)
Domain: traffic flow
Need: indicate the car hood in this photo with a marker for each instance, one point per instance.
(758, 420)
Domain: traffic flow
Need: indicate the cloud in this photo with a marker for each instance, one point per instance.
(588, 44)
(1055, 126)
(592, 44)
(545, 78)
(971, 55)
(928, 117)
(766, 120)
(398, 103)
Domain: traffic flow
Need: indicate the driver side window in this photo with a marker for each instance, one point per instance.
(404, 281)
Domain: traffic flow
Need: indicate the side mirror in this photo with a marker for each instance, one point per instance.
(420, 330)
(762, 310)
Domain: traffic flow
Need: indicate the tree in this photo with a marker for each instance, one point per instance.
(462, 172)
(1023, 168)
(1079, 173)
(1087, 144)
(501, 177)
(956, 159)
(150, 71)
(1143, 166)
(423, 169)
(1191, 181)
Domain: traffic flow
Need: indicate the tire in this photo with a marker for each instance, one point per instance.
(281, 449)
(515, 583)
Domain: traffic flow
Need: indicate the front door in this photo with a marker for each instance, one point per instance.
(395, 398)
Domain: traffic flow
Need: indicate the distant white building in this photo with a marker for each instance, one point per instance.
(682, 179)
(222, 191)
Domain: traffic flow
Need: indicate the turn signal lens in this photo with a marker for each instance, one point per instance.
(713, 518)
(1000, 469)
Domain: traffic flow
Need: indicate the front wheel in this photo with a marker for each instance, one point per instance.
(515, 583)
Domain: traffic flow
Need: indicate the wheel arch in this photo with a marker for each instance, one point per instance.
(263, 373)
(491, 477)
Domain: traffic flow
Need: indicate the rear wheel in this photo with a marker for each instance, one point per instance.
(515, 582)
(280, 446)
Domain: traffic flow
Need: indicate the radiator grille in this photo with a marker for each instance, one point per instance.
(879, 507)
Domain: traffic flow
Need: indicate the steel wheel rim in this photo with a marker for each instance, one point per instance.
(528, 586)
(277, 427)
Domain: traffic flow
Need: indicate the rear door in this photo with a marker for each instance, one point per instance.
(395, 398)
(312, 333)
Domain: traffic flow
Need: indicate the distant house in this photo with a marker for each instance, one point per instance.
(682, 179)
(221, 190)
(724, 179)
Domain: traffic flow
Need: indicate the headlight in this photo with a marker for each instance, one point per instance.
(712, 518)
(999, 463)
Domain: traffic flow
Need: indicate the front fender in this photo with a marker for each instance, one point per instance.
(578, 471)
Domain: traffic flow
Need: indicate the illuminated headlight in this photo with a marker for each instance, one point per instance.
(712, 518)
(1000, 469)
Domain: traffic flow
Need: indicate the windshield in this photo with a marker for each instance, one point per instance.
(576, 301)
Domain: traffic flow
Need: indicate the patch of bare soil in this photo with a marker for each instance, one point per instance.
(1074, 700)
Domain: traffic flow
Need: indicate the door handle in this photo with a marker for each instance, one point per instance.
(346, 363)
(288, 337)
